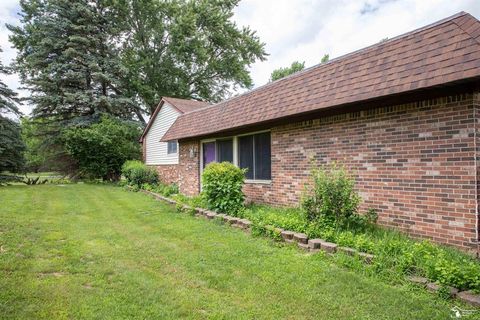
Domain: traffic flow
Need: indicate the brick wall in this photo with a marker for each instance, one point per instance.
(476, 102)
(168, 173)
(415, 163)
(189, 168)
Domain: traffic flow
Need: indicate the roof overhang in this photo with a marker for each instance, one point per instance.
(459, 87)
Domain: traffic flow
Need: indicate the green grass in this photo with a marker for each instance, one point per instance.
(99, 252)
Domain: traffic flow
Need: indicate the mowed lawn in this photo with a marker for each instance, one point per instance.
(99, 252)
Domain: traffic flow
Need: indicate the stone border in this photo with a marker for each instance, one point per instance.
(468, 297)
(316, 245)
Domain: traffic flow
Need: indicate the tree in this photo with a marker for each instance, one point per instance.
(82, 59)
(11, 144)
(101, 149)
(325, 58)
(37, 155)
(186, 49)
(11, 147)
(68, 57)
(283, 72)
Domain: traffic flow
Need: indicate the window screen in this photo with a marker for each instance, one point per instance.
(254, 154)
(262, 156)
(245, 155)
(208, 153)
(225, 150)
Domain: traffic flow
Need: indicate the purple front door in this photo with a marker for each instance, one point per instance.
(208, 153)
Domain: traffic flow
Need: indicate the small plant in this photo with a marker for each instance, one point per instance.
(332, 197)
(222, 185)
(444, 292)
(34, 181)
(168, 190)
(136, 173)
(371, 216)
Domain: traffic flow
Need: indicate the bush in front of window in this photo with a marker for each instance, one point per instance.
(331, 197)
(222, 187)
(137, 173)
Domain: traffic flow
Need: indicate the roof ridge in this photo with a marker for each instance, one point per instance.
(191, 100)
(370, 47)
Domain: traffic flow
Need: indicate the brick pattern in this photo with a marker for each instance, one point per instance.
(476, 103)
(189, 168)
(258, 192)
(167, 173)
(441, 53)
(415, 163)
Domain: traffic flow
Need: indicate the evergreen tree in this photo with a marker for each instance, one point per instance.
(69, 60)
(11, 144)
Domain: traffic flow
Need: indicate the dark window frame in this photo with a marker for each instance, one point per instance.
(254, 155)
(237, 155)
(218, 150)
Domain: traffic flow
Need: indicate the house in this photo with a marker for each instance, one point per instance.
(402, 115)
(164, 155)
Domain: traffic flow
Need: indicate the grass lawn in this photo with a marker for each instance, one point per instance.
(99, 252)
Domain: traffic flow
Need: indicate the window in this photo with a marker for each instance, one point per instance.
(220, 150)
(172, 147)
(225, 150)
(254, 154)
(208, 153)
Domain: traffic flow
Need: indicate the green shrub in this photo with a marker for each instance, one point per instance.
(332, 197)
(136, 173)
(222, 187)
(100, 149)
(169, 190)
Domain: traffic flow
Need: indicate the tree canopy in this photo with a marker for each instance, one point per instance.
(68, 57)
(187, 49)
(293, 68)
(283, 72)
(11, 143)
(83, 59)
(325, 58)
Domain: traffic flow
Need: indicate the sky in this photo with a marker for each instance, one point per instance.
(302, 30)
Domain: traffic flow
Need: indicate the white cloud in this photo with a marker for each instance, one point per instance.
(304, 30)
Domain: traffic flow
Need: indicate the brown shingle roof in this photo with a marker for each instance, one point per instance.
(182, 105)
(440, 53)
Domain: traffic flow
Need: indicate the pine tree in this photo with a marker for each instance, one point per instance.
(11, 144)
(69, 60)
(8, 98)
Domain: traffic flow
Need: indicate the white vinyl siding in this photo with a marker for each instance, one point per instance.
(156, 151)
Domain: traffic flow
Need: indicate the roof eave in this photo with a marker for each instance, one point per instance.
(396, 98)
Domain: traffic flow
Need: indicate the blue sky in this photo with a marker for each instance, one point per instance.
(305, 30)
